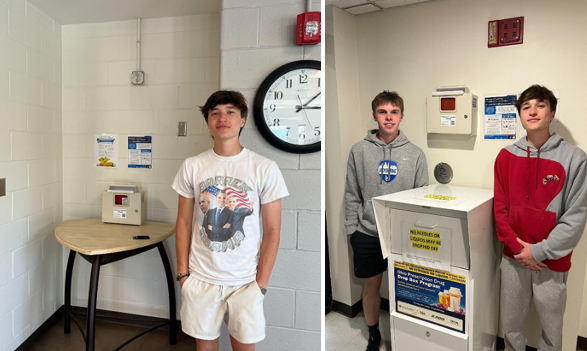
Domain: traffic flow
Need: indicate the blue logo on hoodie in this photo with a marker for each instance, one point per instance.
(387, 170)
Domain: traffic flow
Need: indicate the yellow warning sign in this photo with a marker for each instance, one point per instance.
(425, 233)
(425, 240)
(440, 197)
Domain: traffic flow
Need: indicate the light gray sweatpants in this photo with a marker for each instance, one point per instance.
(549, 291)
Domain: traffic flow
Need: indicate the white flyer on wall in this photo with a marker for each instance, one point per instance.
(140, 151)
(500, 117)
(106, 150)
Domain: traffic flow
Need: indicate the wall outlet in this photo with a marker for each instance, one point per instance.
(3, 187)
(137, 77)
(182, 128)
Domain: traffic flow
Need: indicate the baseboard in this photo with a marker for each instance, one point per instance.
(135, 320)
(38, 334)
(385, 304)
(352, 311)
(349, 311)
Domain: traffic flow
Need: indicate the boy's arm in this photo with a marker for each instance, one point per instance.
(422, 178)
(505, 233)
(352, 197)
(183, 235)
(567, 233)
(271, 213)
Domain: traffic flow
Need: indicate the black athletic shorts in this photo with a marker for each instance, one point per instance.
(368, 259)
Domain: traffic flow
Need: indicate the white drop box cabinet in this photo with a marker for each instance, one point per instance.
(443, 270)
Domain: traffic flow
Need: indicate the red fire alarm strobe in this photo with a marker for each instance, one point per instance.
(509, 31)
(309, 29)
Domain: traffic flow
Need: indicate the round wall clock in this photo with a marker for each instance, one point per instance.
(287, 107)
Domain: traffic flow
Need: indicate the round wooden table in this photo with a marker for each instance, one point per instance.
(102, 243)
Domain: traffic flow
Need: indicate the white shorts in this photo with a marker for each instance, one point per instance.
(204, 306)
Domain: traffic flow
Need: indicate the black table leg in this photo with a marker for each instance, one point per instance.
(171, 289)
(67, 302)
(93, 295)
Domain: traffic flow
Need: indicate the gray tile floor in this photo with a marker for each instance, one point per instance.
(350, 334)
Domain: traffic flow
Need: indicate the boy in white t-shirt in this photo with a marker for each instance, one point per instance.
(223, 263)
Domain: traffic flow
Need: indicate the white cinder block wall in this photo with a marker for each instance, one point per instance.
(181, 58)
(30, 160)
(257, 36)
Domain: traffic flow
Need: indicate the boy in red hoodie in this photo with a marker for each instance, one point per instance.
(540, 204)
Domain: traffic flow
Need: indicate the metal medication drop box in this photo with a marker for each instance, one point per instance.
(443, 271)
(123, 204)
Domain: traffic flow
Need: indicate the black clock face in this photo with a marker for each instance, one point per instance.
(288, 107)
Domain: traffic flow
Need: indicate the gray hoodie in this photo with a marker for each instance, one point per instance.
(375, 169)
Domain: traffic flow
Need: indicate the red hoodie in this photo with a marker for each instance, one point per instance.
(540, 197)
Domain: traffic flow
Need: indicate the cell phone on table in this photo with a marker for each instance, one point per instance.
(141, 237)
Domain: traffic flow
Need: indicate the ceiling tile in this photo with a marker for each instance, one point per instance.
(343, 4)
(95, 11)
(393, 3)
(362, 9)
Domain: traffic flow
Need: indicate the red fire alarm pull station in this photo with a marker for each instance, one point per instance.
(309, 29)
(509, 31)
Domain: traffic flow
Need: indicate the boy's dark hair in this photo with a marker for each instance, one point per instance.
(224, 97)
(388, 97)
(540, 93)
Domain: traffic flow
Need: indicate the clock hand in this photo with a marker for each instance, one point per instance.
(312, 99)
(305, 113)
(298, 108)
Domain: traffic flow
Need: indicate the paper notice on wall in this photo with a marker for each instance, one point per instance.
(140, 150)
(426, 247)
(501, 117)
(106, 150)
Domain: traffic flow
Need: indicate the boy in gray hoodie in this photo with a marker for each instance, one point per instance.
(384, 162)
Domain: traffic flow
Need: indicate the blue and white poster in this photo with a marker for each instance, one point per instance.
(435, 296)
(140, 151)
(501, 117)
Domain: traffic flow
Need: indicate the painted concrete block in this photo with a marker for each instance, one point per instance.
(297, 270)
(309, 236)
(279, 306)
(240, 28)
(307, 190)
(290, 339)
(308, 310)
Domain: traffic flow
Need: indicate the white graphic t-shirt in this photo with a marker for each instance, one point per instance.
(228, 192)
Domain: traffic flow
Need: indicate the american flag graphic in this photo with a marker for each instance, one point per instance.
(242, 199)
(211, 191)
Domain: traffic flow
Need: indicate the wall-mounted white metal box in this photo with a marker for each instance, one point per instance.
(451, 110)
(123, 204)
(443, 271)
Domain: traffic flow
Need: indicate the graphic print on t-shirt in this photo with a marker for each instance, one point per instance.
(387, 170)
(222, 227)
